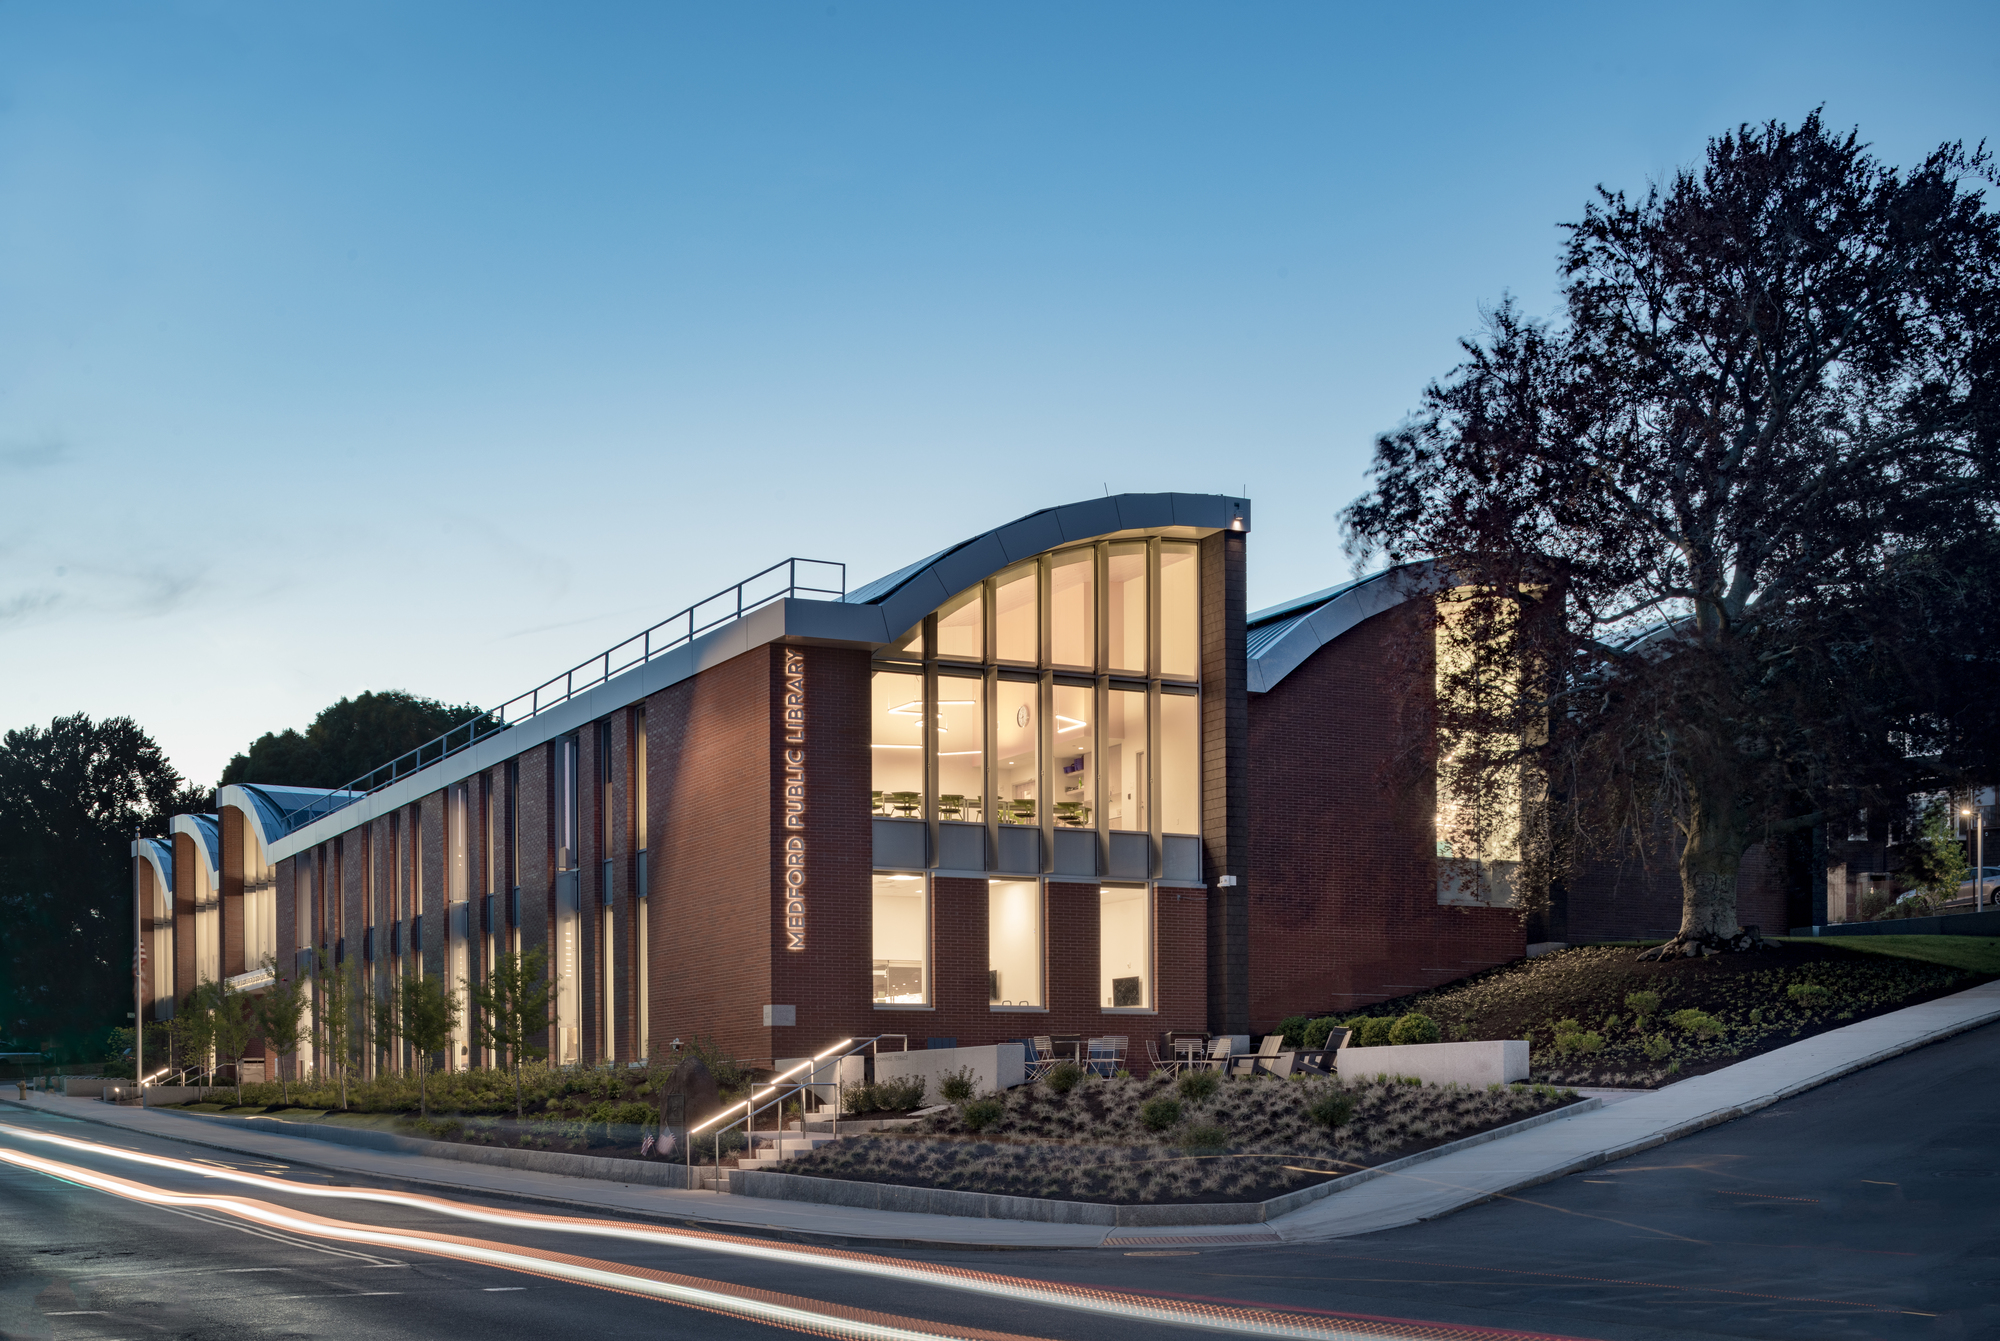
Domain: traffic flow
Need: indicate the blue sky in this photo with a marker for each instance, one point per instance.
(436, 346)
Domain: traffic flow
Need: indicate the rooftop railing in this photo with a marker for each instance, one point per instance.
(789, 578)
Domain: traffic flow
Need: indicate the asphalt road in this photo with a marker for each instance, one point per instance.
(1863, 1209)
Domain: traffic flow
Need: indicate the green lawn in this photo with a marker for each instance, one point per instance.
(1977, 954)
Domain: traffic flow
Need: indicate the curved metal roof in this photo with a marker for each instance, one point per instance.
(206, 830)
(1277, 640)
(267, 806)
(160, 853)
(908, 594)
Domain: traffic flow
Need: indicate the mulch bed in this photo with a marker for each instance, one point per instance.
(1250, 1141)
(1746, 993)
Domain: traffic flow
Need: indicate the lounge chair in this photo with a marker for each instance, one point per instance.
(1250, 1064)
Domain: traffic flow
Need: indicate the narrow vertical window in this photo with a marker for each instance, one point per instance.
(1127, 761)
(511, 871)
(961, 626)
(961, 747)
(1014, 942)
(902, 940)
(1073, 766)
(1073, 608)
(607, 813)
(1125, 607)
(1180, 612)
(1125, 946)
(567, 856)
(639, 795)
(1017, 615)
(896, 743)
(1180, 763)
(609, 1043)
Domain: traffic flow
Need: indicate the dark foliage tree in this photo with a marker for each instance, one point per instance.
(1744, 494)
(70, 798)
(347, 740)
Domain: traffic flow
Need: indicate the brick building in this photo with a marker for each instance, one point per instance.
(1053, 780)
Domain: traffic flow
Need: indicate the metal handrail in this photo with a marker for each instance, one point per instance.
(780, 1092)
(725, 607)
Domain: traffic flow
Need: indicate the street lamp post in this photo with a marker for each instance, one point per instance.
(1977, 813)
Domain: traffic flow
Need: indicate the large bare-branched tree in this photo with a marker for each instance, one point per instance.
(1745, 490)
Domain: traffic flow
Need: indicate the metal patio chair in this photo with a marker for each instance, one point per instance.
(1044, 1058)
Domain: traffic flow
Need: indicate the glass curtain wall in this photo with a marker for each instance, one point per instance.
(1114, 627)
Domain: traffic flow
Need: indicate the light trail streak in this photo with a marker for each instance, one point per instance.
(1167, 1311)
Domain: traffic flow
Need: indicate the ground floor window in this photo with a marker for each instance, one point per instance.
(1014, 942)
(902, 940)
(1125, 947)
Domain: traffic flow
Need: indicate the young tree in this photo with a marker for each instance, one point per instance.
(425, 1014)
(1936, 864)
(233, 1027)
(193, 1029)
(1730, 516)
(279, 1019)
(513, 1006)
(339, 1021)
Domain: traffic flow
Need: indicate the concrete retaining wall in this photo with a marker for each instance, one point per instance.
(998, 1066)
(84, 1087)
(988, 1206)
(1475, 1064)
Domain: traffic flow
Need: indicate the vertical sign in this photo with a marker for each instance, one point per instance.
(795, 800)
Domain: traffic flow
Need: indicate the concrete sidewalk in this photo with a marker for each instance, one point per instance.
(1445, 1184)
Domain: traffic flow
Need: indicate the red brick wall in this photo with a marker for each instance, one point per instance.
(710, 787)
(1343, 890)
(1638, 895)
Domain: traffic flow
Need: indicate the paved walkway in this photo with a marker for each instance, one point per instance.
(1633, 1123)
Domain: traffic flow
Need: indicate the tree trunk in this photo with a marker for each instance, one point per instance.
(1716, 840)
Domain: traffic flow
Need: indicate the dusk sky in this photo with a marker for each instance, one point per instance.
(437, 346)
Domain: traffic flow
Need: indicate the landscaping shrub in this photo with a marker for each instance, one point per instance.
(1198, 1085)
(1415, 1027)
(1293, 1027)
(898, 1095)
(1642, 1005)
(1160, 1112)
(1207, 1136)
(1331, 1109)
(1318, 1031)
(1808, 994)
(1063, 1077)
(1370, 1031)
(1697, 1022)
(957, 1087)
(1658, 1048)
(859, 1099)
(1583, 1041)
(981, 1114)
